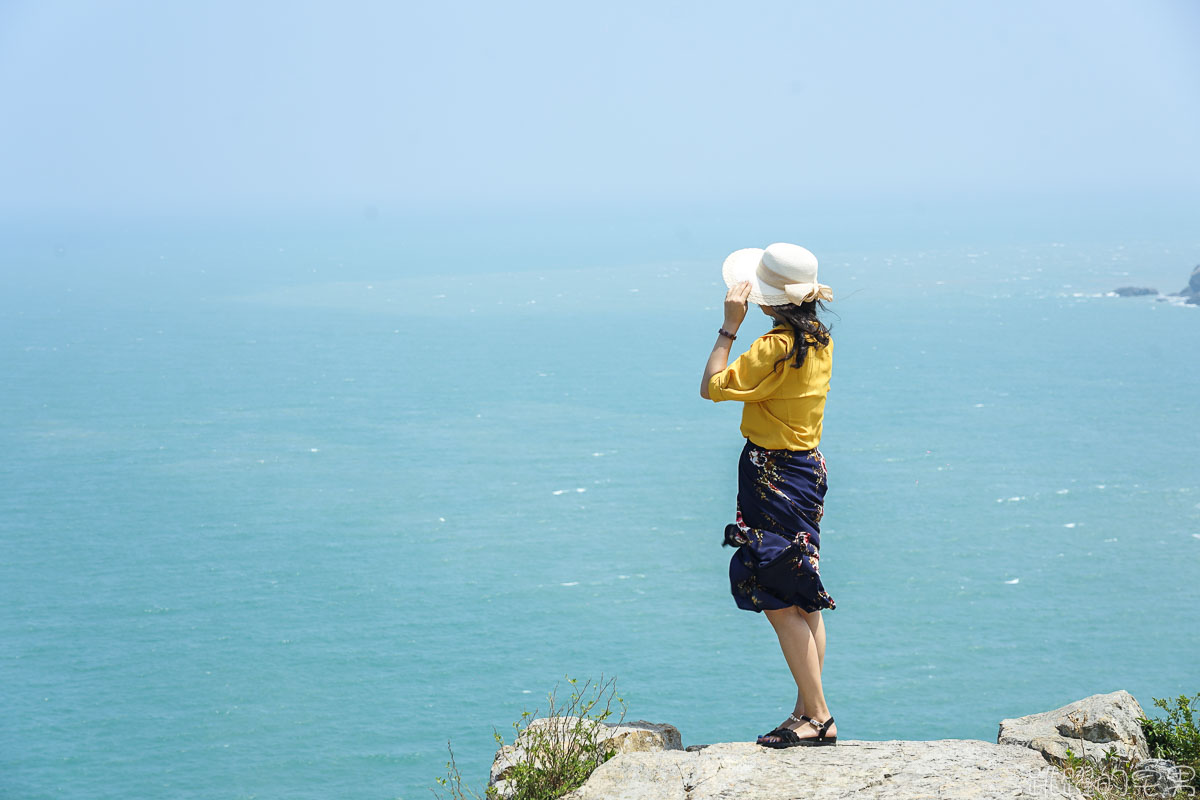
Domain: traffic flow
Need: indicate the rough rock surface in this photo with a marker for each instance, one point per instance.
(1093, 725)
(1163, 777)
(896, 770)
(639, 736)
(1134, 291)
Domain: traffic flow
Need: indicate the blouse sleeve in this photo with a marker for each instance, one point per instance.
(752, 376)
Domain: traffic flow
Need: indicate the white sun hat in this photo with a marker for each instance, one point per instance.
(780, 274)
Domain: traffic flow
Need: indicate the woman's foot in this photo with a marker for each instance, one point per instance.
(793, 722)
(802, 729)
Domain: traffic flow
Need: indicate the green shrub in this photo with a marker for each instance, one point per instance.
(1176, 738)
(557, 752)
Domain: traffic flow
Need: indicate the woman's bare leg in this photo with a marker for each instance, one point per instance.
(816, 624)
(802, 640)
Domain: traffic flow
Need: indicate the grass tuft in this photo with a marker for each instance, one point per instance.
(554, 754)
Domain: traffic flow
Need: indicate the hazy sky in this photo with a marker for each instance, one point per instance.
(130, 107)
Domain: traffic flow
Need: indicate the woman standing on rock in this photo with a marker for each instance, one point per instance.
(782, 380)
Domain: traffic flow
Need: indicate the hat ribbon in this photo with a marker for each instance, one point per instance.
(796, 292)
(804, 292)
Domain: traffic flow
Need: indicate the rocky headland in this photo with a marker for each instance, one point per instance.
(653, 764)
(1192, 290)
(1189, 293)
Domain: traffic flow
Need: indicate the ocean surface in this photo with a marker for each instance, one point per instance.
(281, 515)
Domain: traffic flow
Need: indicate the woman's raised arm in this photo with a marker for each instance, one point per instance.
(735, 312)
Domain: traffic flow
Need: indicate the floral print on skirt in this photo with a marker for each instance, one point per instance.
(780, 502)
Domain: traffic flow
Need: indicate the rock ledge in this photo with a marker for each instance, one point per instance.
(971, 769)
(651, 763)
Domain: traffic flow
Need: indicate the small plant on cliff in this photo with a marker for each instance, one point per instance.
(554, 754)
(1110, 778)
(1114, 777)
(1177, 738)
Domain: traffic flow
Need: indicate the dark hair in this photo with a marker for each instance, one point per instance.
(807, 329)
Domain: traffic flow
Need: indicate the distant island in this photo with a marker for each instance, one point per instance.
(1189, 293)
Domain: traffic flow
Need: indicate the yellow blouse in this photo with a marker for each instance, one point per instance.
(784, 408)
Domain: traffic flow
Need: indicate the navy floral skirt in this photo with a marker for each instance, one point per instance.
(780, 502)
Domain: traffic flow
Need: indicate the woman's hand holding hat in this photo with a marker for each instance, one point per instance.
(735, 305)
(735, 312)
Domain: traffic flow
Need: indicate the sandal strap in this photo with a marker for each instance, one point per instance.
(821, 727)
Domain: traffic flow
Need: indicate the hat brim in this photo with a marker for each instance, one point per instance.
(742, 265)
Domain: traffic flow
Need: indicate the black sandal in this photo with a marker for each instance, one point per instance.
(787, 736)
(820, 738)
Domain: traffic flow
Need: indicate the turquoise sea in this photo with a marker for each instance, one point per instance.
(285, 510)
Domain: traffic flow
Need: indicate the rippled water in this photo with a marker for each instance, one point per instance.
(285, 534)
